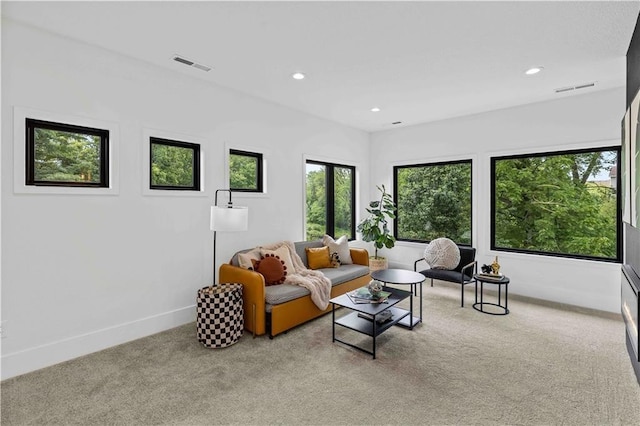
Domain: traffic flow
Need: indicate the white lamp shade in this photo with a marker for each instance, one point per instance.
(229, 219)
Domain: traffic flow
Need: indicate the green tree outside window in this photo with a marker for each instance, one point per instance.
(563, 204)
(434, 200)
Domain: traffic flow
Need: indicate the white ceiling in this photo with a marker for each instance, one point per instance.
(417, 61)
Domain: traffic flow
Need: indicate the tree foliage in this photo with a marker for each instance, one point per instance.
(316, 203)
(243, 172)
(548, 204)
(343, 197)
(66, 156)
(172, 165)
(434, 201)
(317, 210)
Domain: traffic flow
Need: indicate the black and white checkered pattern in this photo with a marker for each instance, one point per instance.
(220, 321)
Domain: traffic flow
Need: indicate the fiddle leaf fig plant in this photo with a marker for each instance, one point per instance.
(375, 228)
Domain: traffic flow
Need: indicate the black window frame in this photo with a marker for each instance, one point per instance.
(432, 164)
(259, 184)
(330, 194)
(30, 153)
(619, 239)
(195, 147)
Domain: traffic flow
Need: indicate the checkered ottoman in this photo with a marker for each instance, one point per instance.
(219, 313)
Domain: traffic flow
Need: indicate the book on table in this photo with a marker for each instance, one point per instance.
(362, 295)
(492, 277)
(382, 317)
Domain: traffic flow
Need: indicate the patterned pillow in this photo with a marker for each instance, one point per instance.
(442, 253)
(283, 253)
(271, 268)
(318, 257)
(340, 246)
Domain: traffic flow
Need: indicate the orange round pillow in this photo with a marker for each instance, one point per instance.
(272, 268)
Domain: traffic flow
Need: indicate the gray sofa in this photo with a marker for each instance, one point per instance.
(277, 308)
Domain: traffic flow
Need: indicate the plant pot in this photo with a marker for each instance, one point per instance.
(377, 263)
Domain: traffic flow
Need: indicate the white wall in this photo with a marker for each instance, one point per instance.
(85, 272)
(583, 121)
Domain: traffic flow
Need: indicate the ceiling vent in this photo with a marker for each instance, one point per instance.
(190, 63)
(570, 88)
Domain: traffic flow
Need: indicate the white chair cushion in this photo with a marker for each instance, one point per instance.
(442, 253)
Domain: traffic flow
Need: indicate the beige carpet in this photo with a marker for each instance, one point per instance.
(536, 366)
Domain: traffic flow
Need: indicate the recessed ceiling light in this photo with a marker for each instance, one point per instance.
(375, 109)
(534, 70)
(298, 76)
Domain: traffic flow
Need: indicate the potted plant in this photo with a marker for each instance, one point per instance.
(375, 228)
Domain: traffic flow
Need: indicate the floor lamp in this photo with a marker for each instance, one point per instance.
(228, 218)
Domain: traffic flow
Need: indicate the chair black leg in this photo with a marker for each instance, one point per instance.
(431, 282)
(462, 296)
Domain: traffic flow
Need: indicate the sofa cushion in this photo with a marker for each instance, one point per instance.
(318, 257)
(245, 260)
(277, 294)
(234, 259)
(283, 253)
(344, 273)
(340, 246)
(271, 268)
(300, 247)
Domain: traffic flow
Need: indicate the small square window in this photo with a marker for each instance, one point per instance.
(174, 165)
(245, 171)
(60, 154)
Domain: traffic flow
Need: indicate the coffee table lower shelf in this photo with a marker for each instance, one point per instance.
(369, 327)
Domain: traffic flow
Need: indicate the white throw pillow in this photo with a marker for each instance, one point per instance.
(442, 253)
(244, 259)
(340, 246)
(283, 253)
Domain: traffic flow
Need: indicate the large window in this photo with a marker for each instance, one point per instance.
(245, 171)
(60, 154)
(330, 200)
(561, 203)
(174, 165)
(434, 200)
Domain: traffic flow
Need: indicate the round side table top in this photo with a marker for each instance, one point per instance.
(397, 276)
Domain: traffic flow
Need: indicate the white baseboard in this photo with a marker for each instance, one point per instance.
(27, 360)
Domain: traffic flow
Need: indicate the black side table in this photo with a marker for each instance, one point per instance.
(479, 306)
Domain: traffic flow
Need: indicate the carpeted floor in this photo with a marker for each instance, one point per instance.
(538, 365)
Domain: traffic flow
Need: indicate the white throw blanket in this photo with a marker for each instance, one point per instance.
(314, 281)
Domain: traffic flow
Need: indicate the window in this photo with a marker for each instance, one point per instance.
(245, 171)
(561, 204)
(66, 155)
(330, 200)
(174, 165)
(434, 200)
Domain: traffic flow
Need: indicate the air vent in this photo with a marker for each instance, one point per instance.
(570, 88)
(189, 62)
(396, 122)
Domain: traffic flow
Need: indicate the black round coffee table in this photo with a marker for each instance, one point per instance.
(479, 306)
(403, 277)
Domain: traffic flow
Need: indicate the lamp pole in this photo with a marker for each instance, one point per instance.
(215, 204)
